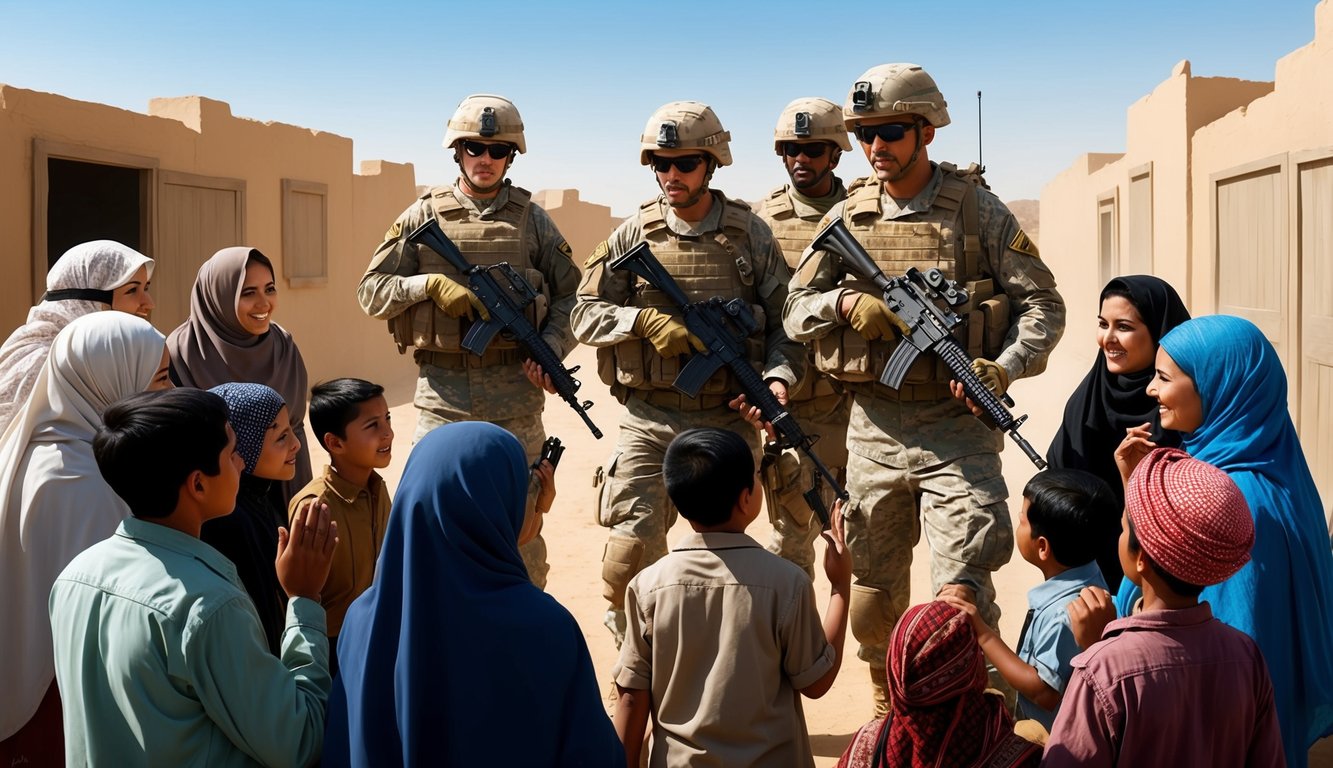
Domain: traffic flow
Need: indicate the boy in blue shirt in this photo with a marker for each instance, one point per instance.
(159, 652)
(1066, 513)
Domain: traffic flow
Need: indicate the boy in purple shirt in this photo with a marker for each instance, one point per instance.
(1171, 685)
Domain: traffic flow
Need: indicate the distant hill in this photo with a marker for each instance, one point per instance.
(1028, 213)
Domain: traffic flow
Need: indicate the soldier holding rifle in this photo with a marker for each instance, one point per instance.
(917, 455)
(714, 247)
(430, 309)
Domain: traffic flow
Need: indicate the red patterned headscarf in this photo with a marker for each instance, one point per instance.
(1189, 517)
(941, 715)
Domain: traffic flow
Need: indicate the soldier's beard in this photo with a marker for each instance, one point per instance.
(694, 197)
(815, 182)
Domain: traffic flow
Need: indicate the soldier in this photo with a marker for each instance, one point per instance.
(917, 455)
(712, 246)
(810, 139)
(428, 304)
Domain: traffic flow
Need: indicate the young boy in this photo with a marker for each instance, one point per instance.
(722, 634)
(1171, 685)
(1066, 514)
(159, 652)
(350, 418)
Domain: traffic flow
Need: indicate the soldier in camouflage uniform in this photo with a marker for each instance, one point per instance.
(810, 139)
(429, 307)
(917, 455)
(713, 246)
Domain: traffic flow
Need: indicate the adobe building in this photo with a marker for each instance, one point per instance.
(1226, 191)
(189, 178)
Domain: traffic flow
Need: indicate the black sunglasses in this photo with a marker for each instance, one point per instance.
(496, 151)
(685, 164)
(887, 132)
(793, 149)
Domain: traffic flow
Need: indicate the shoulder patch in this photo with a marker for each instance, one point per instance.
(565, 249)
(395, 231)
(599, 255)
(1024, 245)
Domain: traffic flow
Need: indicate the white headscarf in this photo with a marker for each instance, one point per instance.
(53, 501)
(100, 265)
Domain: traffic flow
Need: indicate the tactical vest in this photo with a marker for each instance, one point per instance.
(704, 266)
(793, 234)
(487, 240)
(952, 243)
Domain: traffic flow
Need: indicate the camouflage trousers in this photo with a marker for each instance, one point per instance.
(946, 479)
(633, 501)
(444, 396)
(789, 474)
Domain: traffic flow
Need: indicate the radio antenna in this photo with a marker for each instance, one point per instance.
(979, 160)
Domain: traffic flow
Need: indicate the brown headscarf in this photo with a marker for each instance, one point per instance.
(211, 347)
(941, 714)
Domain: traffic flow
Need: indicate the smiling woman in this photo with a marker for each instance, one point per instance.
(90, 277)
(230, 336)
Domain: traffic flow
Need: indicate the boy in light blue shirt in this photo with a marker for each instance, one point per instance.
(1066, 515)
(158, 649)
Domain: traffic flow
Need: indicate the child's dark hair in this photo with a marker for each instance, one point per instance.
(705, 471)
(1184, 589)
(1075, 510)
(149, 443)
(333, 405)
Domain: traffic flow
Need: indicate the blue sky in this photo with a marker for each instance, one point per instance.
(1056, 76)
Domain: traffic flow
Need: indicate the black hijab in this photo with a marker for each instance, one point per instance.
(1105, 405)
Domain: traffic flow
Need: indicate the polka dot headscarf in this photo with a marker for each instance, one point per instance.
(252, 409)
(1189, 517)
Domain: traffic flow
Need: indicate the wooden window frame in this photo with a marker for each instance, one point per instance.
(292, 187)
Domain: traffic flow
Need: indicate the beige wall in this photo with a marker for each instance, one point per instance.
(582, 223)
(199, 136)
(1242, 187)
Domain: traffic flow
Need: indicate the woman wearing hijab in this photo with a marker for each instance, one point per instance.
(941, 714)
(230, 336)
(453, 657)
(249, 535)
(56, 504)
(1220, 383)
(1135, 312)
(90, 277)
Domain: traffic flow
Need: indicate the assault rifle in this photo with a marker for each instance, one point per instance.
(915, 298)
(506, 305)
(723, 326)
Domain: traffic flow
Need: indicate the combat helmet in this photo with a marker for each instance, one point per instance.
(890, 90)
(685, 125)
(811, 119)
(485, 117)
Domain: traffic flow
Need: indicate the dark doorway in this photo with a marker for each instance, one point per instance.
(91, 201)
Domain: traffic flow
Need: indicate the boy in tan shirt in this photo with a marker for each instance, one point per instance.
(722, 634)
(350, 418)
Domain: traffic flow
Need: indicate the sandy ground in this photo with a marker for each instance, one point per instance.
(575, 541)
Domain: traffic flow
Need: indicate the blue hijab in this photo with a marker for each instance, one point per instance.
(453, 657)
(1283, 598)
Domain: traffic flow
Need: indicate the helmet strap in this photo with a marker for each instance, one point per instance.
(916, 153)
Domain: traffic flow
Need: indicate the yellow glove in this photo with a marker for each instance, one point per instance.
(454, 299)
(992, 375)
(873, 319)
(668, 335)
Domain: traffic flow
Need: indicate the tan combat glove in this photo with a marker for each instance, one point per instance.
(992, 375)
(668, 335)
(873, 319)
(454, 299)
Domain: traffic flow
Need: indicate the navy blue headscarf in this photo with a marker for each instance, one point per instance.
(453, 657)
